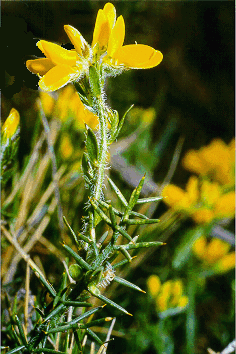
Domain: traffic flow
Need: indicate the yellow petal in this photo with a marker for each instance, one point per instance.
(101, 30)
(183, 301)
(192, 162)
(66, 147)
(172, 195)
(56, 78)
(203, 216)
(152, 62)
(154, 285)
(48, 102)
(164, 295)
(177, 288)
(110, 13)
(117, 37)
(199, 247)
(226, 263)
(216, 250)
(138, 56)
(192, 189)
(176, 292)
(75, 37)
(210, 192)
(64, 102)
(57, 54)
(225, 206)
(39, 66)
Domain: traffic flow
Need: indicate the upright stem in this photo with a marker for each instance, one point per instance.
(191, 317)
(102, 149)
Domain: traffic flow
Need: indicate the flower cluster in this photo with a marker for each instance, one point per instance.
(214, 254)
(203, 200)
(216, 161)
(210, 196)
(61, 66)
(168, 295)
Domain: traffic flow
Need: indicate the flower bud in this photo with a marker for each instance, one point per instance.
(75, 272)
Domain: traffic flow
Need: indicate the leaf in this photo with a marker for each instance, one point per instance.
(46, 350)
(85, 165)
(77, 303)
(131, 246)
(112, 303)
(122, 122)
(114, 121)
(79, 259)
(148, 200)
(49, 287)
(133, 199)
(140, 221)
(74, 323)
(124, 233)
(94, 336)
(127, 283)
(99, 211)
(117, 192)
(21, 331)
(16, 350)
(91, 146)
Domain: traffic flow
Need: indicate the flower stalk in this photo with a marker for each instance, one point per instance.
(102, 149)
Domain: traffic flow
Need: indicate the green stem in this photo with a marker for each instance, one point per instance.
(191, 317)
(102, 149)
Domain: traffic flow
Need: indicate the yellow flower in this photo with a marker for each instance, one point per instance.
(202, 215)
(11, 125)
(214, 254)
(66, 147)
(132, 56)
(183, 301)
(210, 192)
(216, 249)
(168, 295)
(225, 206)
(216, 160)
(105, 21)
(163, 297)
(204, 201)
(192, 189)
(226, 263)
(154, 285)
(177, 290)
(69, 105)
(48, 102)
(193, 163)
(178, 198)
(199, 247)
(62, 66)
(173, 195)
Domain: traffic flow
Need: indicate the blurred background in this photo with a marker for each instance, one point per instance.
(185, 102)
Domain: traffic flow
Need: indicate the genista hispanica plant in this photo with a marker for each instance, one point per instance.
(95, 265)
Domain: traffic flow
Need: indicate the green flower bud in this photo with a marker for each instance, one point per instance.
(75, 272)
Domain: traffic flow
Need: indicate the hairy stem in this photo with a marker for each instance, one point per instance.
(102, 149)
